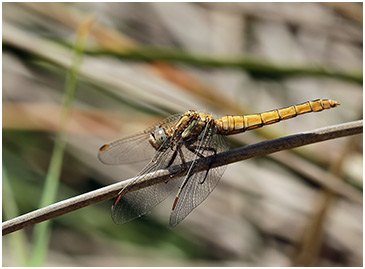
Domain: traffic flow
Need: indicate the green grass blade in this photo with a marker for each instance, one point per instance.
(42, 230)
(18, 240)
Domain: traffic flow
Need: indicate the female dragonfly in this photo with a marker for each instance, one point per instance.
(180, 139)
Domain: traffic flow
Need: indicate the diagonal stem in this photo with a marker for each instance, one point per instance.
(235, 155)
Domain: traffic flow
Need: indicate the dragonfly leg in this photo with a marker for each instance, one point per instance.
(173, 157)
(182, 157)
(206, 173)
(183, 162)
(193, 148)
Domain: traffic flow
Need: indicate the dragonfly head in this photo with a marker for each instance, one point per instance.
(159, 138)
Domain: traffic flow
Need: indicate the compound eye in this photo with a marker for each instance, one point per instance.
(160, 136)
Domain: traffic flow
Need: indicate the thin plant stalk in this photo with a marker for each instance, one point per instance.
(18, 241)
(42, 231)
(227, 157)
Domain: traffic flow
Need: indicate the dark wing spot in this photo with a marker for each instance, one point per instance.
(104, 147)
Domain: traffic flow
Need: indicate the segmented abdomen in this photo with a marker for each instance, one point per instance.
(228, 125)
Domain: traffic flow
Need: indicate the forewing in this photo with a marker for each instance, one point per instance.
(198, 186)
(133, 148)
(137, 203)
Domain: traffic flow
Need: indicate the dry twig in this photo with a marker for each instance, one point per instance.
(235, 155)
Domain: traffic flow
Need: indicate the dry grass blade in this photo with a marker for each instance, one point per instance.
(251, 65)
(235, 155)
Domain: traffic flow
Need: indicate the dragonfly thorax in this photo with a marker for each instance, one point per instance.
(191, 125)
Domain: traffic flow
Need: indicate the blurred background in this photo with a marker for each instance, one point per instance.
(268, 211)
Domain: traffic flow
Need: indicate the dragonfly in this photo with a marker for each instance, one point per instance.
(178, 140)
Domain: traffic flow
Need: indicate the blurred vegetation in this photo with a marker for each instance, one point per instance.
(264, 212)
(255, 67)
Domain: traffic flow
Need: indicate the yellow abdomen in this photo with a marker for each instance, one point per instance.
(228, 125)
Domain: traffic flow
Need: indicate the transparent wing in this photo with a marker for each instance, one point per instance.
(197, 187)
(133, 148)
(137, 203)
